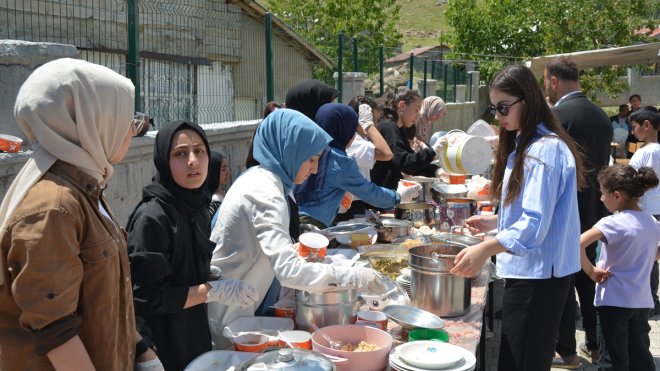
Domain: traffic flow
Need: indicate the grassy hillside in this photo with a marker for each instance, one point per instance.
(422, 22)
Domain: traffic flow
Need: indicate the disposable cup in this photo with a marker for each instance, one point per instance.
(313, 246)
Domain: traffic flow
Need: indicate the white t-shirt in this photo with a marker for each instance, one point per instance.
(364, 153)
(649, 155)
(630, 243)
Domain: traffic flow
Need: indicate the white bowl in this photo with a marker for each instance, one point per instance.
(431, 355)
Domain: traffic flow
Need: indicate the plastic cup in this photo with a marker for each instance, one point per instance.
(250, 343)
(298, 339)
(428, 334)
(375, 317)
(313, 246)
(457, 178)
(286, 312)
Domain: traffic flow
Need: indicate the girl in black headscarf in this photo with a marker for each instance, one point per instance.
(170, 252)
(308, 96)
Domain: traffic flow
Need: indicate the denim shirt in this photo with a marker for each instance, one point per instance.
(541, 228)
(342, 175)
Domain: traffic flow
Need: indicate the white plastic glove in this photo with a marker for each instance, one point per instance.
(367, 280)
(152, 365)
(365, 116)
(408, 192)
(232, 292)
(439, 145)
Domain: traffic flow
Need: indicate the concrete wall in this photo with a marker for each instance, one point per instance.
(125, 187)
(290, 66)
(648, 87)
(17, 61)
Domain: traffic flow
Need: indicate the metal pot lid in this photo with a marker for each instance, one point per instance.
(389, 222)
(410, 317)
(346, 228)
(413, 206)
(422, 179)
(288, 359)
(449, 189)
(457, 239)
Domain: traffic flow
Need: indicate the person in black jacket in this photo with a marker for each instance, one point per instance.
(400, 111)
(590, 127)
(170, 251)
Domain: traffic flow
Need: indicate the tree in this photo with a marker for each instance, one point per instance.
(525, 29)
(372, 22)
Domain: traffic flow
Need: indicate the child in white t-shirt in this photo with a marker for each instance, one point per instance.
(622, 274)
(645, 125)
(367, 148)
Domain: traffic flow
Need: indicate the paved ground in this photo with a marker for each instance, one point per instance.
(493, 344)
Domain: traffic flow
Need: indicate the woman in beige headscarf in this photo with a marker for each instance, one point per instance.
(433, 109)
(65, 290)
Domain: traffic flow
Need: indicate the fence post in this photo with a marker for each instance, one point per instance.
(270, 85)
(381, 52)
(425, 63)
(411, 65)
(356, 63)
(133, 58)
(444, 89)
(340, 65)
(433, 69)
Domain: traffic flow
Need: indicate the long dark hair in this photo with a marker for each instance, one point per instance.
(634, 183)
(519, 81)
(390, 102)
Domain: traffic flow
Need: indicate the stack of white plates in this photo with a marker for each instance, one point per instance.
(431, 355)
(404, 280)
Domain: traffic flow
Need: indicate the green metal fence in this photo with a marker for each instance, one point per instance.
(201, 60)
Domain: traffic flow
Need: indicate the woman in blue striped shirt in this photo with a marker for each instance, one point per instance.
(537, 174)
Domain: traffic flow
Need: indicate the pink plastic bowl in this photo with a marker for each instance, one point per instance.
(375, 360)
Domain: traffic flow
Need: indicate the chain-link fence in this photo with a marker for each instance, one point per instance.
(200, 60)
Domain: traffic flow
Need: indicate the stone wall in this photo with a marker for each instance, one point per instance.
(135, 171)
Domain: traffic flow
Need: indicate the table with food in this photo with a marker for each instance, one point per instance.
(423, 317)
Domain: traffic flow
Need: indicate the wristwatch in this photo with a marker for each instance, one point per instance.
(143, 345)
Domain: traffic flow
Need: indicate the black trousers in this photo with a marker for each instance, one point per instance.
(531, 310)
(586, 289)
(625, 332)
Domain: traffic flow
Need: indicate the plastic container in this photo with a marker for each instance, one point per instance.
(428, 334)
(313, 246)
(10, 143)
(254, 343)
(465, 154)
(375, 360)
(268, 326)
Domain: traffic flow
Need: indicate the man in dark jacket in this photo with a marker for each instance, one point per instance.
(590, 127)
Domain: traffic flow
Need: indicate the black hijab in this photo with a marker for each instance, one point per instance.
(308, 96)
(213, 179)
(163, 186)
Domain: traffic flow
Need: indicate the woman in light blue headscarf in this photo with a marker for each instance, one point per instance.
(320, 195)
(252, 232)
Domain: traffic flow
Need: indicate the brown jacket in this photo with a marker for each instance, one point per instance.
(66, 274)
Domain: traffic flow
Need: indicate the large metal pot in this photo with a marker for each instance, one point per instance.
(289, 359)
(418, 213)
(433, 288)
(393, 228)
(336, 307)
(442, 191)
(454, 212)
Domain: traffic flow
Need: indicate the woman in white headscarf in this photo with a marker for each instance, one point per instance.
(65, 286)
(433, 109)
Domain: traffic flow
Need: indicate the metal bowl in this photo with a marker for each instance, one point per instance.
(412, 318)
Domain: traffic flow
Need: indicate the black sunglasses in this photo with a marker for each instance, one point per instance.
(503, 109)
